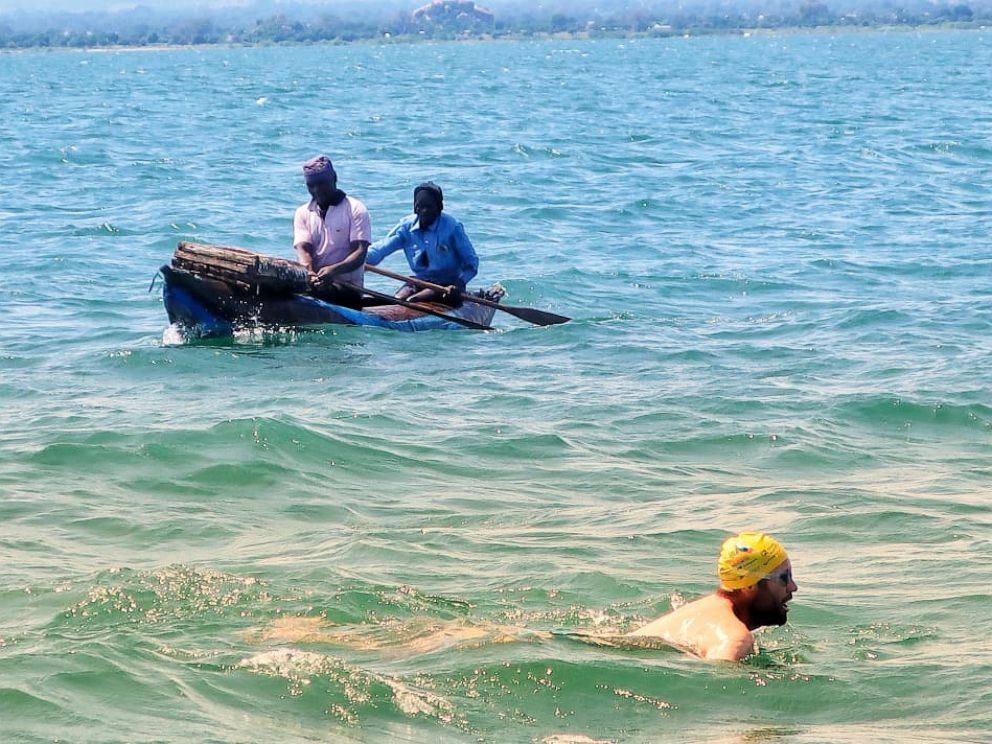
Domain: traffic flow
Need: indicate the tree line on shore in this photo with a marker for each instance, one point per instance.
(87, 30)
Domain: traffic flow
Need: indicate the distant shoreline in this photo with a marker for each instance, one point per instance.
(536, 36)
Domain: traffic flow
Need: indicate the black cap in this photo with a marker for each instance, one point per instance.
(434, 190)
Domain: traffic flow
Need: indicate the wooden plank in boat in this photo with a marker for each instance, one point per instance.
(244, 268)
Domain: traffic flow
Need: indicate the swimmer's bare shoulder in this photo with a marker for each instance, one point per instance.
(706, 627)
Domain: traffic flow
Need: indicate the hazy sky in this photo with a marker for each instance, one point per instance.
(111, 5)
(264, 6)
(59, 6)
(79, 6)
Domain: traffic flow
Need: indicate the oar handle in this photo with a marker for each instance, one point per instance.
(424, 284)
(417, 306)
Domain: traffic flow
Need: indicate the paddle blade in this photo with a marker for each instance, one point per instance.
(533, 315)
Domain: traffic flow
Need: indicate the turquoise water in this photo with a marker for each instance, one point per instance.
(776, 253)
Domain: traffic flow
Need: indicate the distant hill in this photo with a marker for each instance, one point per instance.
(445, 12)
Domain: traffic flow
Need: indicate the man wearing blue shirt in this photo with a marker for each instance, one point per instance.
(436, 247)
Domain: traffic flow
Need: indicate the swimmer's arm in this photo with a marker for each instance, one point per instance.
(734, 648)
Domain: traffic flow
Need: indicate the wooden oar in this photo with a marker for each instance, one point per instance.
(530, 314)
(416, 306)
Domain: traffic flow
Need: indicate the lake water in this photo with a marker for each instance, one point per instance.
(776, 251)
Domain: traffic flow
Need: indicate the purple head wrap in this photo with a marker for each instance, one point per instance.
(319, 169)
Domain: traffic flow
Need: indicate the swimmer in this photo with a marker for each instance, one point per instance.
(756, 585)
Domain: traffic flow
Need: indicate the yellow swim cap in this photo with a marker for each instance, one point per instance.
(747, 558)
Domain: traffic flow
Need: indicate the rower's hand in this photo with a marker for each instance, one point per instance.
(324, 277)
(451, 292)
(424, 295)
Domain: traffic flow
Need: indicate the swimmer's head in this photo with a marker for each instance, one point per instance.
(747, 558)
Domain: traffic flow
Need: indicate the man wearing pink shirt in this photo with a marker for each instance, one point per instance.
(331, 235)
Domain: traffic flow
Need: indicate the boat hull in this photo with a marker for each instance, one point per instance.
(209, 308)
